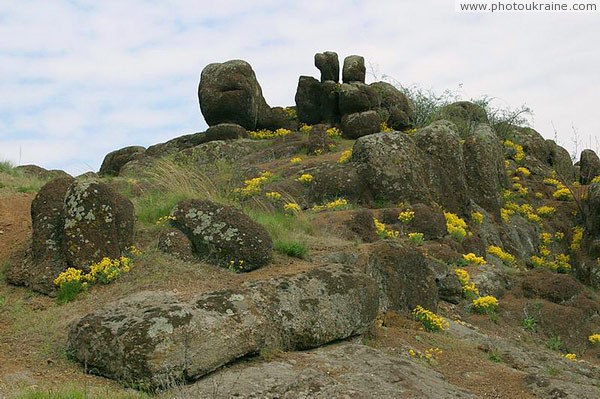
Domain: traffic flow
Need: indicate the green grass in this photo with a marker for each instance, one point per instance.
(555, 343)
(295, 249)
(7, 167)
(78, 393)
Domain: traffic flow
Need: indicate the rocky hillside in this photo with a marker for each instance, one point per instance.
(345, 247)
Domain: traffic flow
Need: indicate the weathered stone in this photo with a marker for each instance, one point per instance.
(98, 223)
(428, 220)
(329, 66)
(357, 97)
(38, 171)
(560, 161)
(589, 166)
(332, 181)
(392, 167)
(114, 161)
(354, 69)
(223, 234)
(155, 340)
(465, 115)
(404, 276)
(444, 163)
(591, 217)
(363, 225)
(308, 100)
(329, 102)
(484, 167)
(555, 287)
(449, 288)
(319, 141)
(398, 107)
(224, 131)
(175, 243)
(360, 124)
(229, 93)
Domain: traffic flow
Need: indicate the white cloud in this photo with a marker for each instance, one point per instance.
(81, 78)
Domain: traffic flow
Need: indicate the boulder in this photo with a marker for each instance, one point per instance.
(329, 66)
(533, 143)
(589, 165)
(38, 171)
(174, 242)
(554, 287)
(360, 124)
(329, 102)
(114, 161)
(428, 220)
(404, 275)
(465, 115)
(224, 131)
(230, 93)
(399, 108)
(484, 168)
(445, 164)
(223, 234)
(363, 225)
(560, 160)
(98, 223)
(319, 141)
(332, 181)
(357, 97)
(591, 217)
(155, 340)
(308, 100)
(392, 167)
(354, 69)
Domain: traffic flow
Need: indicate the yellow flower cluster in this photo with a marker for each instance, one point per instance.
(235, 265)
(594, 339)
(523, 171)
(108, 269)
(474, 259)
(551, 182)
(562, 194)
(520, 189)
(69, 275)
(526, 210)
(519, 154)
(505, 257)
(429, 355)
(306, 178)
(410, 131)
(560, 262)
(571, 356)
(384, 128)
(416, 238)
(164, 219)
(273, 195)
(577, 238)
(545, 211)
(405, 217)
(291, 112)
(305, 128)
(477, 217)
(295, 160)
(383, 232)
(486, 304)
(254, 186)
(339, 203)
(596, 180)
(469, 289)
(345, 157)
(546, 238)
(430, 321)
(456, 226)
(291, 207)
(268, 134)
(334, 132)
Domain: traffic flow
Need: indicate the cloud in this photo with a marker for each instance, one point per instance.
(82, 78)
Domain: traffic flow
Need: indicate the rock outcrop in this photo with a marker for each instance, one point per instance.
(329, 66)
(354, 69)
(589, 166)
(154, 340)
(114, 161)
(223, 234)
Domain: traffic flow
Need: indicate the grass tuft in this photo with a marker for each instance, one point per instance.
(295, 249)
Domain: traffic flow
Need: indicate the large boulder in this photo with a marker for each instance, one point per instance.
(591, 215)
(308, 100)
(223, 234)
(393, 167)
(354, 69)
(155, 340)
(465, 115)
(114, 161)
(561, 162)
(360, 124)
(329, 66)
(484, 167)
(98, 223)
(230, 93)
(395, 103)
(404, 275)
(589, 165)
(444, 163)
(357, 97)
(42, 173)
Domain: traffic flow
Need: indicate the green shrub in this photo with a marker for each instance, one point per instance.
(295, 249)
(554, 343)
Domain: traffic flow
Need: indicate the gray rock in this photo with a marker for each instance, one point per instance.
(399, 108)
(225, 131)
(484, 167)
(357, 97)
(465, 115)
(360, 372)
(114, 161)
(397, 268)
(308, 100)
(591, 217)
(154, 340)
(175, 243)
(560, 160)
(223, 234)
(329, 65)
(445, 164)
(230, 93)
(42, 173)
(393, 167)
(354, 69)
(360, 124)
(589, 166)
(329, 102)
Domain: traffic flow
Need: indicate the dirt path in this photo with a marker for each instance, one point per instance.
(15, 223)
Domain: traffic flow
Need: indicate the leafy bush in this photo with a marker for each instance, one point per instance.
(295, 249)
(554, 343)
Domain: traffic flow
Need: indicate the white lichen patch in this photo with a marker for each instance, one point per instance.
(159, 325)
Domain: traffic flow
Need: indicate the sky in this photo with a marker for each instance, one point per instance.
(81, 78)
